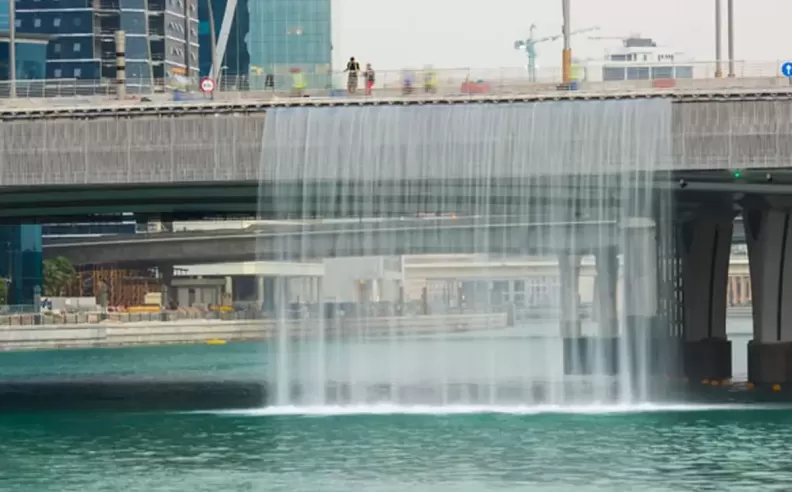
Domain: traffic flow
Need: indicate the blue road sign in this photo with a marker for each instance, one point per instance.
(786, 69)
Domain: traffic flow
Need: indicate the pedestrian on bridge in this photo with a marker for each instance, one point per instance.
(369, 76)
(353, 69)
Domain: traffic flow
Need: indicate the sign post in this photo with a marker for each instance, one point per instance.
(208, 86)
(786, 71)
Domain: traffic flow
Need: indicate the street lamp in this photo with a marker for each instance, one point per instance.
(566, 56)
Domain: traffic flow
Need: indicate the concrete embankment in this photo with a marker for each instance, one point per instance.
(41, 337)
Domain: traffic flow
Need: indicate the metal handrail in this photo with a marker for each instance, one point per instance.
(459, 82)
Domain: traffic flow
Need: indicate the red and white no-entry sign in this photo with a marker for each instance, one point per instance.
(207, 85)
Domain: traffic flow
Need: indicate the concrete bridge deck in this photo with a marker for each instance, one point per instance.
(305, 157)
(395, 237)
(389, 238)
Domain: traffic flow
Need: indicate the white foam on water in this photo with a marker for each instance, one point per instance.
(330, 411)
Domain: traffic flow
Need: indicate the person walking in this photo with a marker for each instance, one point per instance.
(370, 76)
(353, 69)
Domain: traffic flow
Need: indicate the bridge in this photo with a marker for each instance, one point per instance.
(287, 158)
(497, 235)
(658, 164)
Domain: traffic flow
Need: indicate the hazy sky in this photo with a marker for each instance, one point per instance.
(396, 34)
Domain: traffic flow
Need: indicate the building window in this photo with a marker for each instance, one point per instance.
(77, 72)
(76, 47)
(77, 21)
(36, 22)
(56, 22)
(57, 73)
(56, 48)
(18, 22)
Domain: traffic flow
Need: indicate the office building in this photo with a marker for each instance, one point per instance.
(31, 59)
(82, 34)
(236, 62)
(272, 37)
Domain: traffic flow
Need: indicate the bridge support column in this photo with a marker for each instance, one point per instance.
(569, 293)
(569, 313)
(646, 344)
(768, 234)
(598, 354)
(705, 250)
(166, 286)
(265, 293)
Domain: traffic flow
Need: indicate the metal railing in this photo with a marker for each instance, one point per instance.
(457, 82)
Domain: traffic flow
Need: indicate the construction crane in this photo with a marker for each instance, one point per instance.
(529, 45)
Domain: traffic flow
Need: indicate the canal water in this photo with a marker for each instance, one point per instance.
(646, 447)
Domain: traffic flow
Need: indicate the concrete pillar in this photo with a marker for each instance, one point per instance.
(768, 233)
(705, 250)
(575, 347)
(229, 289)
(645, 341)
(260, 292)
(318, 285)
(598, 353)
(166, 284)
(569, 297)
(605, 286)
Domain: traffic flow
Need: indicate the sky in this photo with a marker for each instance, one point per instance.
(396, 34)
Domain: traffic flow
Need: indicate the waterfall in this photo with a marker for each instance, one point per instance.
(565, 182)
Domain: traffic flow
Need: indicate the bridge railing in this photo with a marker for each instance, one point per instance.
(447, 82)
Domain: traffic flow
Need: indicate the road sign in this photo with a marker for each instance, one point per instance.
(208, 85)
(786, 69)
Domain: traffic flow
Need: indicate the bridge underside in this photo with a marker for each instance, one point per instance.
(545, 198)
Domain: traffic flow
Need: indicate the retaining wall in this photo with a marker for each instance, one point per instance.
(196, 332)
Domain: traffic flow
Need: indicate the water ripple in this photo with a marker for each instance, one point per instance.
(686, 448)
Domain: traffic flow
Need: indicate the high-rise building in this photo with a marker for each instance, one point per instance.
(236, 62)
(272, 37)
(82, 37)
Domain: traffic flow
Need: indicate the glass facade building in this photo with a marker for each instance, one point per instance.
(271, 37)
(21, 262)
(82, 34)
(236, 62)
(286, 34)
(31, 58)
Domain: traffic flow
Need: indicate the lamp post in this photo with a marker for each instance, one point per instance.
(12, 92)
(718, 40)
(566, 56)
(730, 21)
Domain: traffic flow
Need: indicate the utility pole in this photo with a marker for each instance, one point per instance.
(566, 56)
(730, 20)
(187, 71)
(718, 40)
(12, 88)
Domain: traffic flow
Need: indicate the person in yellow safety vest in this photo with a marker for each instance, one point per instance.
(575, 72)
(298, 82)
(430, 81)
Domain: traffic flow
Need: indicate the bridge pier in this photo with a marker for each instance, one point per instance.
(647, 343)
(705, 251)
(768, 234)
(166, 285)
(597, 354)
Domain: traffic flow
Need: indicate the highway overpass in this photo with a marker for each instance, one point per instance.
(504, 235)
(303, 158)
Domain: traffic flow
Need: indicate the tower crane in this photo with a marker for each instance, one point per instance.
(529, 45)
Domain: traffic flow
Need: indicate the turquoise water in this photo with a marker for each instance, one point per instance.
(671, 450)
(421, 449)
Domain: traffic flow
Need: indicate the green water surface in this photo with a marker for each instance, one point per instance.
(696, 448)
